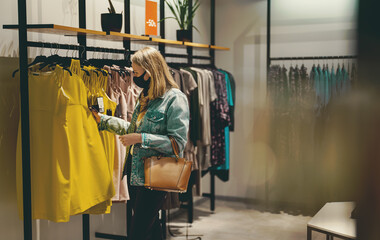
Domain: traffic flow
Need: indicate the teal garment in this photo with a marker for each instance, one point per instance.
(316, 82)
(167, 115)
(339, 80)
(321, 87)
(327, 85)
(229, 89)
(333, 83)
(226, 165)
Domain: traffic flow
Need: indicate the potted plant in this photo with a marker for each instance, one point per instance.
(180, 10)
(111, 21)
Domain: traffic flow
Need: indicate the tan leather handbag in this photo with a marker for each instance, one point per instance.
(169, 174)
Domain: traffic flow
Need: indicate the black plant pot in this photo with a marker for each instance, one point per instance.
(111, 22)
(184, 35)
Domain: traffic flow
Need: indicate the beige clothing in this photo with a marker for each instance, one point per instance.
(188, 85)
(207, 94)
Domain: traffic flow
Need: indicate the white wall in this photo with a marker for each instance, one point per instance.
(299, 28)
(62, 12)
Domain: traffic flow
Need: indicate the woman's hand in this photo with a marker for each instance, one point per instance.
(130, 139)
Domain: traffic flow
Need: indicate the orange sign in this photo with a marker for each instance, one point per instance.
(150, 18)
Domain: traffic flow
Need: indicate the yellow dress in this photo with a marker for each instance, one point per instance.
(95, 88)
(91, 179)
(69, 167)
(49, 144)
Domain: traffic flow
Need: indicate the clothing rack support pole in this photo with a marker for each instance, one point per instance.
(24, 92)
(161, 46)
(212, 191)
(190, 208)
(212, 51)
(127, 24)
(82, 24)
(190, 28)
(212, 55)
(163, 223)
(268, 67)
(86, 226)
(82, 56)
(268, 33)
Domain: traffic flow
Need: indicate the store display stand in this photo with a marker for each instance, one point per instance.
(334, 220)
(82, 34)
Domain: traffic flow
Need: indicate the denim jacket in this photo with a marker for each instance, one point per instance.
(167, 115)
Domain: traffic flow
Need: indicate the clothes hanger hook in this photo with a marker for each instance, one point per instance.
(84, 49)
(67, 52)
(57, 49)
(41, 50)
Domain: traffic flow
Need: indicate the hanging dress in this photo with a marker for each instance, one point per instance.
(120, 183)
(91, 179)
(49, 143)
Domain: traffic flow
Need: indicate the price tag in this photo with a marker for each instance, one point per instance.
(100, 104)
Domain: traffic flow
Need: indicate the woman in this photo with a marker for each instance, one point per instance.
(161, 111)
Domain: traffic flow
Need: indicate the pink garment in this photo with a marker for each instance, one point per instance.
(131, 92)
(124, 92)
(121, 186)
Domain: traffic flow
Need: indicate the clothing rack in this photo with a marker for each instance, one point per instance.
(312, 58)
(269, 61)
(82, 49)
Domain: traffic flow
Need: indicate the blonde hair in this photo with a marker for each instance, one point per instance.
(155, 65)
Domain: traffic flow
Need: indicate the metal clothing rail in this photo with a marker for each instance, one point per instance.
(60, 46)
(186, 56)
(312, 58)
(82, 48)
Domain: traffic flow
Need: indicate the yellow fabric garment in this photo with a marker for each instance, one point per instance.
(96, 83)
(50, 165)
(69, 167)
(98, 180)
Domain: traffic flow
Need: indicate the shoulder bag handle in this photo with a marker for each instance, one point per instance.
(175, 147)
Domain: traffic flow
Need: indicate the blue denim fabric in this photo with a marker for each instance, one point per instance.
(166, 116)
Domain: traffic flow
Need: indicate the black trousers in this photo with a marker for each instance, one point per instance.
(145, 224)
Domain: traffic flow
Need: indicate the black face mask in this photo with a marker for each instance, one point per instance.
(140, 82)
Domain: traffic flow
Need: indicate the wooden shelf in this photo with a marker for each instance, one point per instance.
(116, 36)
(220, 48)
(198, 45)
(167, 41)
(112, 36)
(58, 29)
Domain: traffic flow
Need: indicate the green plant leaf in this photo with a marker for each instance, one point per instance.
(196, 28)
(111, 6)
(166, 18)
(180, 10)
(183, 14)
(173, 11)
(177, 6)
(195, 7)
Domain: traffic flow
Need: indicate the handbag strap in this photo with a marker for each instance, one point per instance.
(175, 147)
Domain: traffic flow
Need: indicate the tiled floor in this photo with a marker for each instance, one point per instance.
(238, 220)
